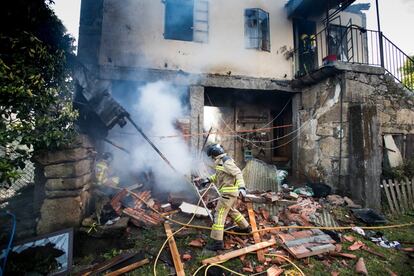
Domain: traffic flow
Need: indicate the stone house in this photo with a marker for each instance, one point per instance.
(323, 90)
(334, 90)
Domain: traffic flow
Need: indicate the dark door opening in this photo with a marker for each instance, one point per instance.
(305, 43)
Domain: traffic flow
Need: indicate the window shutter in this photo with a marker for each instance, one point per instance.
(201, 16)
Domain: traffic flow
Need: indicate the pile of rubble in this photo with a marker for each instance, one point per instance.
(128, 205)
(289, 223)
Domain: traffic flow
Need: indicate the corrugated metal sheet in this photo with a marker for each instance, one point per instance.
(260, 176)
(325, 219)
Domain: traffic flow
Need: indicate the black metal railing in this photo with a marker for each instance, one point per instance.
(353, 44)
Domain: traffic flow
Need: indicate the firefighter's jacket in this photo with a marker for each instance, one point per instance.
(228, 177)
(102, 174)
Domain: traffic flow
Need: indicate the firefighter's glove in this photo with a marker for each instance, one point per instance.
(202, 182)
(242, 192)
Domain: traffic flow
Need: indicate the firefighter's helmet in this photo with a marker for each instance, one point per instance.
(214, 150)
(107, 156)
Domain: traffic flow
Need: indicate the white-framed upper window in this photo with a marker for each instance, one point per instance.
(257, 29)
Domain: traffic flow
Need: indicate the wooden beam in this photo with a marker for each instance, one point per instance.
(106, 265)
(128, 268)
(239, 252)
(179, 269)
(256, 235)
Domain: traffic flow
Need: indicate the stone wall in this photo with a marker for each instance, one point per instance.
(346, 151)
(68, 175)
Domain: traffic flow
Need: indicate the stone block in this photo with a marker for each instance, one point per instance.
(83, 141)
(405, 117)
(329, 146)
(69, 170)
(384, 118)
(309, 99)
(358, 92)
(63, 193)
(334, 114)
(364, 78)
(59, 213)
(68, 183)
(324, 130)
(62, 156)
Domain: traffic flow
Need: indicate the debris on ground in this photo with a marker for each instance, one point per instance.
(193, 209)
(274, 271)
(290, 207)
(239, 252)
(369, 216)
(360, 267)
(356, 245)
(307, 243)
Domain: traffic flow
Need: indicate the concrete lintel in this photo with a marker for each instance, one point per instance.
(333, 69)
(184, 78)
(359, 68)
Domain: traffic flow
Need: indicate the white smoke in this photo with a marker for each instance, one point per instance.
(156, 110)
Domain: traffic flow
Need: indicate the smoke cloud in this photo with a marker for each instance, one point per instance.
(155, 107)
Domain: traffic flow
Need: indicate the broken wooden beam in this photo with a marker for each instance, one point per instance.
(142, 216)
(179, 269)
(128, 268)
(343, 255)
(256, 235)
(369, 250)
(239, 252)
(98, 268)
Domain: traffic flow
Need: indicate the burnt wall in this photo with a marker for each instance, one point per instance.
(342, 120)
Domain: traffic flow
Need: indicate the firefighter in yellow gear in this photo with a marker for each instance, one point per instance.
(229, 180)
(103, 172)
(104, 184)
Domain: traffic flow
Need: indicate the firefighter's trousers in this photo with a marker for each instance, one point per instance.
(226, 205)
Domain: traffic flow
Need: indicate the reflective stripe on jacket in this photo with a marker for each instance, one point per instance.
(228, 176)
(101, 172)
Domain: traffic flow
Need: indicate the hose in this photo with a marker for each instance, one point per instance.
(184, 225)
(287, 259)
(340, 228)
(9, 245)
(218, 264)
(172, 235)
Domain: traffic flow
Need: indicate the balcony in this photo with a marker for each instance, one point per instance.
(316, 54)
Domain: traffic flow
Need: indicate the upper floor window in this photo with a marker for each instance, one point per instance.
(256, 29)
(338, 41)
(186, 20)
(179, 19)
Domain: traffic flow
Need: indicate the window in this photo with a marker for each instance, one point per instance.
(179, 19)
(338, 42)
(256, 29)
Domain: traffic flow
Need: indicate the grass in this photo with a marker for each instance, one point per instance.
(396, 261)
(149, 242)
